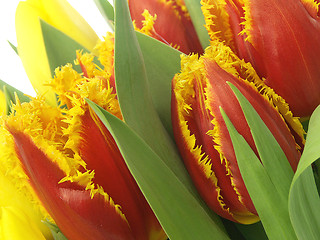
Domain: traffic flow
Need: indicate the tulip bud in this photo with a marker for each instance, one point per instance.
(167, 21)
(31, 48)
(202, 137)
(280, 38)
(73, 163)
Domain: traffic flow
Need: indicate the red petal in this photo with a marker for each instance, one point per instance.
(286, 35)
(100, 152)
(171, 25)
(76, 214)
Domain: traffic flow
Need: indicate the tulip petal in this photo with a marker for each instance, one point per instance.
(31, 47)
(78, 214)
(35, 56)
(283, 49)
(15, 224)
(112, 174)
(68, 20)
(3, 104)
(172, 26)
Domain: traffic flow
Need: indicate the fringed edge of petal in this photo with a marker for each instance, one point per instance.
(147, 24)
(228, 61)
(312, 6)
(182, 92)
(85, 179)
(218, 30)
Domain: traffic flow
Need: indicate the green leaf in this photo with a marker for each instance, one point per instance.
(134, 96)
(12, 91)
(106, 11)
(304, 201)
(272, 212)
(13, 47)
(178, 211)
(252, 231)
(194, 9)
(162, 62)
(56, 233)
(273, 158)
(60, 48)
(9, 93)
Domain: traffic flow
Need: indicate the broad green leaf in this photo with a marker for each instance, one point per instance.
(272, 212)
(106, 11)
(194, 9)
(162, 62)
(272, 157)
(304, 202)
(178, 211)
(134, 96)
(61, 49)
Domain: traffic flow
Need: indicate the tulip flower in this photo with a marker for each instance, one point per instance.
(3, 103)
(167, 21)
(20, 218)
(280, 38)
(31, 48)
(74, 165)
(202, 137)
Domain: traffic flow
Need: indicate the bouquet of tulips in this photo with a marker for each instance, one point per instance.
(190, 120)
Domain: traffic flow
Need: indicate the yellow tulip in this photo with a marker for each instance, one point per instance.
(19, 217)
(3, 103)
(16, 225)
(31, 48)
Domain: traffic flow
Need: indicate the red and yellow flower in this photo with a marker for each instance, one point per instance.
(280, 38)
(167, 21)
(71, 163)
(202, 137)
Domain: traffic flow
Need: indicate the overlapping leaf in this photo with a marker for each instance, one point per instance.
(60, 48)
(177, 209)
(304, 201)
(106, 11)
(194, 9)
(134, 96)
(267, 186)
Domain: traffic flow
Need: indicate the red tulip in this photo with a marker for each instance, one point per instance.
(202, 136)
(74, 165)
(280, 38)
(172, 26)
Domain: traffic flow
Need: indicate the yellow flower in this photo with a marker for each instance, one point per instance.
(19, 218)
(3, 103)
(31, 48)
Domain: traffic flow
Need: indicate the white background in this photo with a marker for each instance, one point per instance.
(11, 70)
